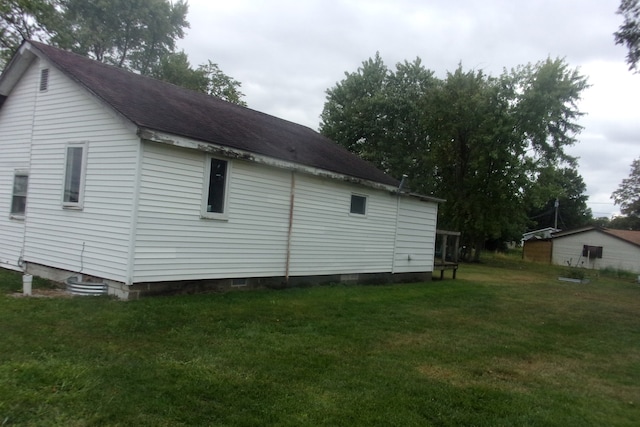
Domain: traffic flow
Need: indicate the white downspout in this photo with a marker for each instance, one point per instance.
(131, 253)
(21, 261)
(290, 228)
(395, 235)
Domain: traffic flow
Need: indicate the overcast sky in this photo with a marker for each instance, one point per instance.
(287, 53)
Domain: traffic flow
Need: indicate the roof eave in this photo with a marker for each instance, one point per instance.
(153, 135)
(421, 197)
(16, 68)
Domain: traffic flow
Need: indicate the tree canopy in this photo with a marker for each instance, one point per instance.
(23, 20)
(629, 32)
(208, 78)
(627, 196)
(569, 190)
(481, 142)
(133, 34)
(139, 35)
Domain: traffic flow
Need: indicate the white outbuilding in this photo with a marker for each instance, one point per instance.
(108, 176)
(597, 248)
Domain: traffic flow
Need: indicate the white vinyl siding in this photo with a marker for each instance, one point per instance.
(95, 240)
(415, 238)
(327, 239)
(616, 253)
(16, 116)
(173, 242)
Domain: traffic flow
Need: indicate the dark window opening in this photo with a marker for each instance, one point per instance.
(358, 204)
(217, 186)
(592, 251)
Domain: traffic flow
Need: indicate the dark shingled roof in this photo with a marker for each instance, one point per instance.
(164, 107)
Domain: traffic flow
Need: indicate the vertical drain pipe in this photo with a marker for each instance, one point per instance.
(395, 236)
(290, 230)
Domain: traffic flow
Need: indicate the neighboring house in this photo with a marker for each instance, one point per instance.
(536, 244)
(597, 248)
(543, 233)
(148, 186)
(537, 250)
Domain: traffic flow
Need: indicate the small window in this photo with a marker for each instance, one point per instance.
(358, 204)
(592, 251)
(217, 183)
(44, 79)
(74, 175)
(19, 194)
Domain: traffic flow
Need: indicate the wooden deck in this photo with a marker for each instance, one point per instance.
(448, 259)
(441, 266)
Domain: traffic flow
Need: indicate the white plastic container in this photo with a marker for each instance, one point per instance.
(27, 280)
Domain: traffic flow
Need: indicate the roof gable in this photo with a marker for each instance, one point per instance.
(628, 236)
(160, 106)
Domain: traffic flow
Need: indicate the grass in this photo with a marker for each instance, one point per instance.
(504, 344)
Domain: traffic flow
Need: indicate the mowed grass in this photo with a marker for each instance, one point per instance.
(505, 344)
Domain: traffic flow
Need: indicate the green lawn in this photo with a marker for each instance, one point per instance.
(505, 344)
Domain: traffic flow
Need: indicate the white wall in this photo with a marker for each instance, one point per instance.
(16, 117)
(93, 240)
(416, 236)
(174, 243)
(616, 253)
(327, 239)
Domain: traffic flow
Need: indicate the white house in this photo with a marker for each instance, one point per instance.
(147, 187)
(597, 248)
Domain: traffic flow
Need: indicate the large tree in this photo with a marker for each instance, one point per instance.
(139, 35)
(375, 112)
(476, 140)
(629, 32)
(479, 169)
(133, 34)
(627, 196)
(567, 207)
(24, 20)
(175, 68)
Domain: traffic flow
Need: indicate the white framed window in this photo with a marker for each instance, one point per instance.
(74, 174)
(358, 204)
(19, 194)
(216, 188)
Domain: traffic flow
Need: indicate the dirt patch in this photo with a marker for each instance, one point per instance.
(44, 293)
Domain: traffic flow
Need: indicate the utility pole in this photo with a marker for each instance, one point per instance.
(555, 222)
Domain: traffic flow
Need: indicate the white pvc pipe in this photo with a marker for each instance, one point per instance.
(27, 280)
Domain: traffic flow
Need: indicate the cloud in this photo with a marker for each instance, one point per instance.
(287, 53)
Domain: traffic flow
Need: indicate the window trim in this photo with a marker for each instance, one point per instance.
(83, 171)
(17, 215)
(366, 202)
(204, 214)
